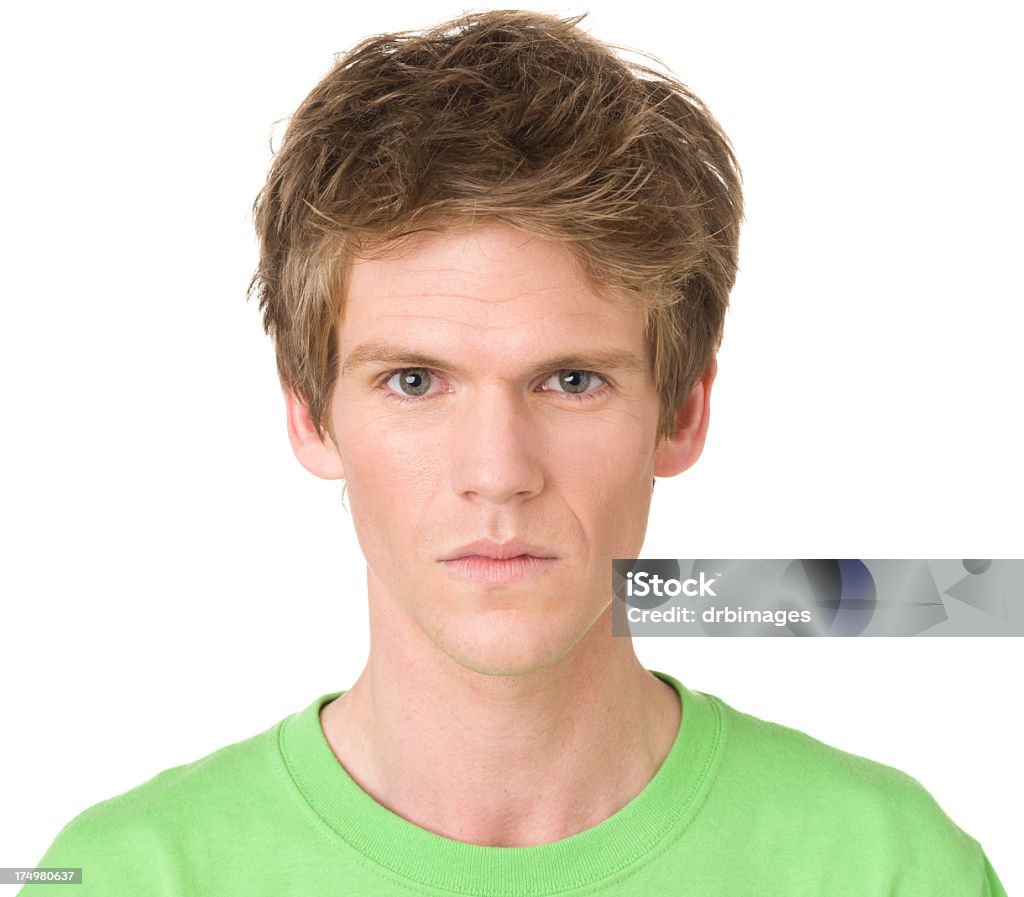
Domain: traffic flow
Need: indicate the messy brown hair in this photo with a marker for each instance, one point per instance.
(513, 116)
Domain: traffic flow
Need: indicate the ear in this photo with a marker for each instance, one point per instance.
(318, 456)
(680, 451)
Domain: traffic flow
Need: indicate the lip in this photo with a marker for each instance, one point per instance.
(498, 563)
(487, 548)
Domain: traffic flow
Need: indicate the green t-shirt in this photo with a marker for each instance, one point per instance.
(739, 807)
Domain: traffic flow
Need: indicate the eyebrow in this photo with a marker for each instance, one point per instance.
(378, 352)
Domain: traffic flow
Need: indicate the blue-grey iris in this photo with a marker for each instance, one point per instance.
(575, 381)
(415, 381)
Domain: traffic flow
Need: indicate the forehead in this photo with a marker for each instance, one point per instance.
(493, 281)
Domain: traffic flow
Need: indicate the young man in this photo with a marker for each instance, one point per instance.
(495, 261)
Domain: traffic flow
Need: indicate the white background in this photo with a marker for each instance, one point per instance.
(173, 581)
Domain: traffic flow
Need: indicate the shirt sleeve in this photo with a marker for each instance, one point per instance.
(115, 858)
(993, 887)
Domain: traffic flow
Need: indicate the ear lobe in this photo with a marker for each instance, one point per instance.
(319, 456)
(681, 450)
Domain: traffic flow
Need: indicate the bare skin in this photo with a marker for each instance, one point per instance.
(489, 392)
(511, 763)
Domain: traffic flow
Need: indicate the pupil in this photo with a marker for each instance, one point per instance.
(415, 382)
(575, 381)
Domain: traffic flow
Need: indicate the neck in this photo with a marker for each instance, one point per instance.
(501, 760)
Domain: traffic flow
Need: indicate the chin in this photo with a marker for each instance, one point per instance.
(509, 645)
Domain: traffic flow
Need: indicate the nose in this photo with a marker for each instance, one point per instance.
(496, 448)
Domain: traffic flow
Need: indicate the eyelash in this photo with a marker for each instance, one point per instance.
(572, 396)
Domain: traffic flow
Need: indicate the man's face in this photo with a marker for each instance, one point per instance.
(488, 394)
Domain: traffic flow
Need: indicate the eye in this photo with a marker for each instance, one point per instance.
(411, 382)
(575, 383)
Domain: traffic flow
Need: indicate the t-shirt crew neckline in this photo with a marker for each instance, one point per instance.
(658, 814)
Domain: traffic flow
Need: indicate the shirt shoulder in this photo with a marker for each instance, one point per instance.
(138, 841)
(857, 811)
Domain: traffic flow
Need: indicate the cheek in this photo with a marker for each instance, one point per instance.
(616, 493)
(390, 483)
(613, 465)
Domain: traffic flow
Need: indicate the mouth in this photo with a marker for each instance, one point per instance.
(494, 563)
